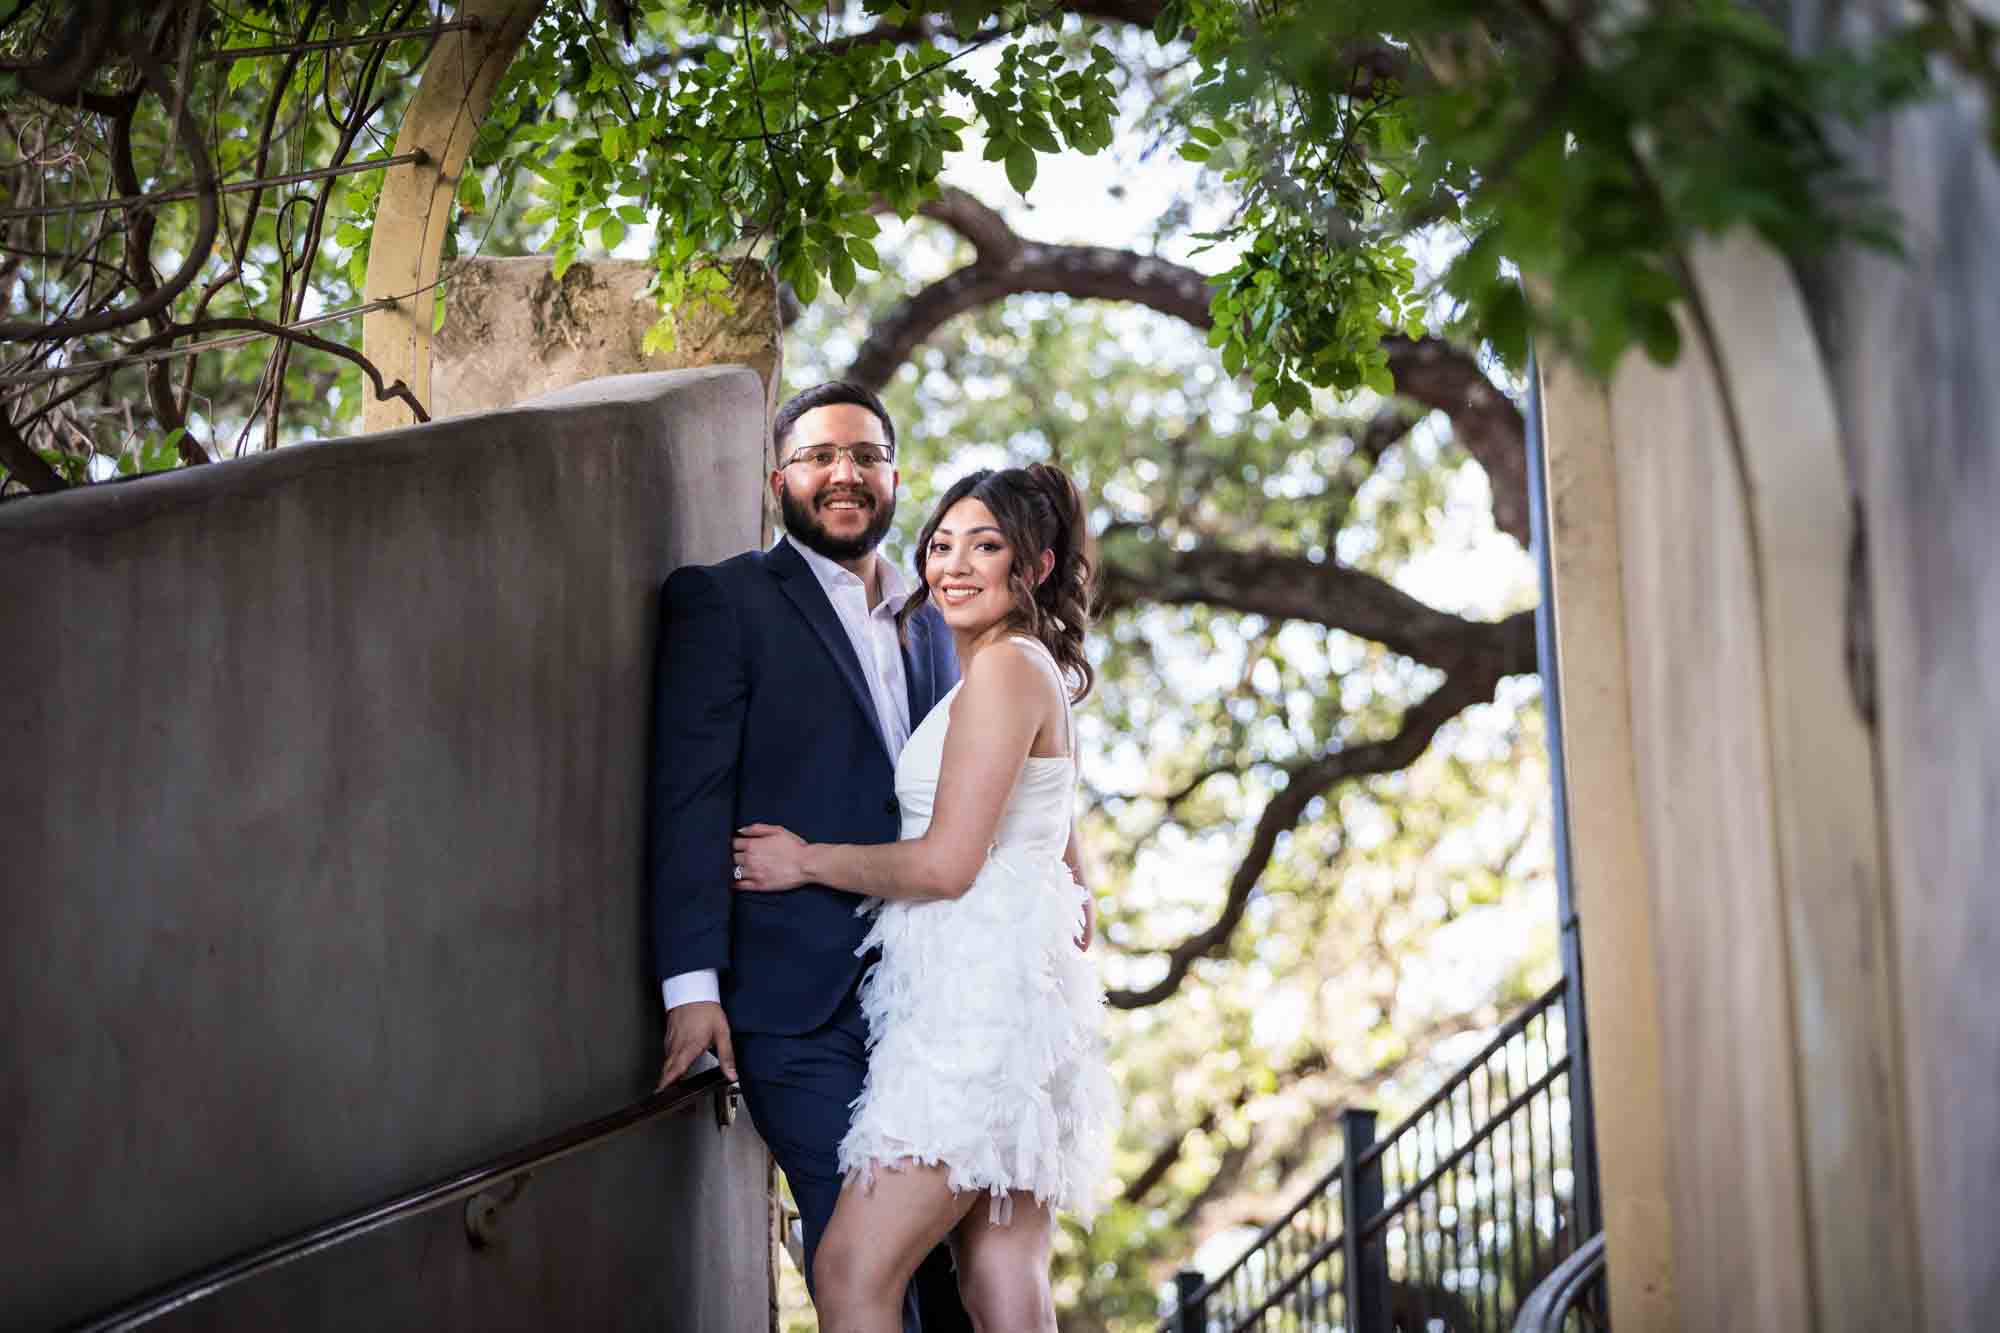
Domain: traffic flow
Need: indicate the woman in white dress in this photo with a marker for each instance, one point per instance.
(988, 1104)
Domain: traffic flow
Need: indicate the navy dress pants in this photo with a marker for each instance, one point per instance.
(798, 1090)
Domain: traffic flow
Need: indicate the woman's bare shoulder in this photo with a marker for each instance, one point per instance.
(1005, 666)
(1013, 675)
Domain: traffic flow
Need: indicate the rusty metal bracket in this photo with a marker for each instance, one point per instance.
(725, 1106)
(483, 1210)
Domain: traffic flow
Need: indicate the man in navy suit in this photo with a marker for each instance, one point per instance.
(783, 695)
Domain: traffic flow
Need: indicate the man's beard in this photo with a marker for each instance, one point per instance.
(802, 525)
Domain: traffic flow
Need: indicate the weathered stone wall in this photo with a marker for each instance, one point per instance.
(1795, 565)
(321, 813)
(512, 329)
(1914, 344)
(1760, 882)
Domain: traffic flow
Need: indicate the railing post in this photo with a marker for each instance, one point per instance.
(1585, 1218)
(1192, 1312)
(1367, 1269)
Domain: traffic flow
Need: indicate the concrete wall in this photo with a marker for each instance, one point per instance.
(320, 807)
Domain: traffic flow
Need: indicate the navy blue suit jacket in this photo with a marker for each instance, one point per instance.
(761, 715)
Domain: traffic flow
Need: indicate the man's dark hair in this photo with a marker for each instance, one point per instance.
(827, 395)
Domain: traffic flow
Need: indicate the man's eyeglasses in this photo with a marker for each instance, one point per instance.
(822, 457)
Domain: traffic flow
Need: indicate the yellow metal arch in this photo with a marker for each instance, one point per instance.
(415, 207)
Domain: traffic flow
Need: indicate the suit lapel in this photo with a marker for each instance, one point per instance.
(917, 670)
(799, 585)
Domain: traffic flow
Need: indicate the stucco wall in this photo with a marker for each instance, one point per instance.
(321, 839)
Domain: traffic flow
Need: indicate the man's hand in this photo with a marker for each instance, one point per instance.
(692, 1029)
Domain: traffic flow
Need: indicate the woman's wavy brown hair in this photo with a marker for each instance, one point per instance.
(1039, 509)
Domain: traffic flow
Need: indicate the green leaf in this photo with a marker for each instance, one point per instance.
(1035, 132)
(1659, 334)
(966, 15)
(660, 338)
(806, 284)
(1021, 167)
(163, 453)
(612, 232)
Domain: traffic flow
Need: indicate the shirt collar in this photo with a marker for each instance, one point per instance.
(833, 575)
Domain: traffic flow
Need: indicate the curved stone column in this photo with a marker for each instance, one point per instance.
(1733, 897)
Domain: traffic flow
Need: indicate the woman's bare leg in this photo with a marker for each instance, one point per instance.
(876, 1240)
(1003, 1271)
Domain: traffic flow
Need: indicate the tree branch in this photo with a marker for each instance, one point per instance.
(23, 464)
(1087, 271)
(1428, 371)
(76, 53)
(1484, 420)
(245, 324)
(1473, 684)
(992, 239)
(1291, 587)
(188, 134)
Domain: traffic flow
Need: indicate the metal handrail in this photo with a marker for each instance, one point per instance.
(1252, 1317)
(251, 1263)
(1556, 1295)
(1465, 1149)
(1508, 1030)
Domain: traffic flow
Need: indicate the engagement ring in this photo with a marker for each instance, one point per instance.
(736, 873)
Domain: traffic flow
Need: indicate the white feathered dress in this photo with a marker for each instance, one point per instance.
(985, 1021)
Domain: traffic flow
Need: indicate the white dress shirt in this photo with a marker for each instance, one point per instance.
(872, 631)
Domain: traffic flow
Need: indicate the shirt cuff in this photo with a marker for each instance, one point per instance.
(698, 987)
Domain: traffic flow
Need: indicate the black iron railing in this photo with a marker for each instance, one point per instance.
(473, 1182)
(1570, 1299)
(1446, 1224)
